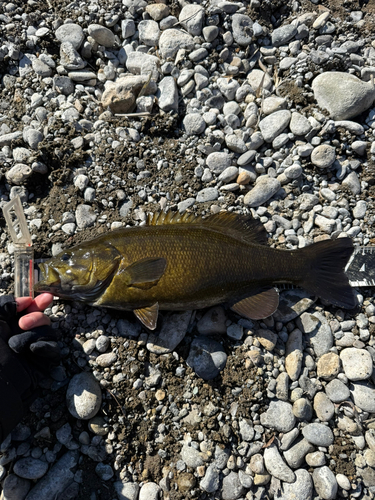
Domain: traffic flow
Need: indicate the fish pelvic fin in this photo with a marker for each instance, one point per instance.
(244, 227)
(258, 306)
(148, 316)
(324, 274)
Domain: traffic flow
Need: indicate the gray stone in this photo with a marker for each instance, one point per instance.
(246, 430)
(172, 332)
(235, 143)
(30, 468)
(302, 409)
(107, 359)
(84, 396)
(264, 189)
(363, 395)
(85, 216)
(33, 137)
(228, 87)
(171, 40)
(359, 211)
(323, 156)
(6, 139)
(303, 485)
(351, 181)
(295, 456)
(207, 194)
(15, 487)
(282, 35)
(126, 491)
(194, 124)
(279, 416)
(149, 32)
(206, 357)
(293, 354)
(357, 363)
(217, 162)
(139, 63)
(41, 68)
(149, 491)
(342, 94)
(299, 124)
(292, 303)
(323, 407)
(191, 456)
(63, 85)
(25, 64)
(232, 487)
(213, 322)
(128, 27)
(242, 29)
(69, 57)
(18, 174)
(318, 331)
(57, 479)
(102, 35)
(276, 466)
(272, 125)
(325, 483)
(157, 11)
(211, 480)
(72, 33)
(337, 391)
(191, 18)
(318, 434)
(167, 94)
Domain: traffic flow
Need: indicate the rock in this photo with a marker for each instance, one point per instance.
(318, 434)
(172, 332)
(235, 143)
(72, 33)
(213, 322)
(149, 491)
(267, 338)
(303, 485)
(276, 466)
(57, 479)
(85, 216)
(30, 468)
(191, 18)
(279, 416)
(363, 395)
(107, 359)
(157, 11)
(139, 63)
(101, 35)
(63, 85)
(359, 210)
(337, 391)
(351, 181)
(41, 68)
(172, 40)
(282, 35)
(126, 491)
(357, 363)
(325, 483)
(191, 456)
(302, 409)
(210, 481)
(18, 174)
(246, 430)
(323, 156)
(69, 57)
(293, 354)
(217, 162)
(206, 357)
(84, 396)
(342, 94)
(33, 137)
(207, 194)
(15, 487)
(318, 331)
(149, 32)
(264, 189)
(272, 125)
(167, 94)
(120, 96)
(295, 456)
(128, 25)
(232, 487)
(242, 29)
(299, 124)
(328, 366)
(194, 124)
(343, 482)
(315, 459)
(292, 303)
(6, 139)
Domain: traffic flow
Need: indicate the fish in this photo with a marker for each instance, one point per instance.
(186, 262)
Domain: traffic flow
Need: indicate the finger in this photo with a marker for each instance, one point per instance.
(40, 302)
(23, 303)
(33, 320)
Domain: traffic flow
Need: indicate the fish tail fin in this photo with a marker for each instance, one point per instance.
(324, 273)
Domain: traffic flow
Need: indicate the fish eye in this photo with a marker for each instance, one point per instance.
(65, 256)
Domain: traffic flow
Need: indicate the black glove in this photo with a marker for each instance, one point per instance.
(25, 357)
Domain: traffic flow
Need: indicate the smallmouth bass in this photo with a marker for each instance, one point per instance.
(180, 262)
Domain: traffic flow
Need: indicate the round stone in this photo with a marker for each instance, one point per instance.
(318, 434)
(328, 366)
(323, 155)
(357, 363)
(84, 396)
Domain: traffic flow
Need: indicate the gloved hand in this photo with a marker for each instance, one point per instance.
(24, 356)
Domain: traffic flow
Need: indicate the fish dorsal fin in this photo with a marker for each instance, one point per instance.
(145, 272)
(148, 316)
(249, 229)
(258, 306)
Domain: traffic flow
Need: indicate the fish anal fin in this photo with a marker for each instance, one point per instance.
(145, 272)
(148, 316)
(258, 306)
(248, 228)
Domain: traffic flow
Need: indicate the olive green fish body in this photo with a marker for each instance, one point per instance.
(183, 262)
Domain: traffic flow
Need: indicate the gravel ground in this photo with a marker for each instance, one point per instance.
(111, 110)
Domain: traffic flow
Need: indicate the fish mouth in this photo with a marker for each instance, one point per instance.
(50, 282)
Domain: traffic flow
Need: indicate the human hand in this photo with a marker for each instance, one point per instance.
(34, 309)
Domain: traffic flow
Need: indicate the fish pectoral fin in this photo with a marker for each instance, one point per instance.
(145, 272)
(148, 316)
(258, 306)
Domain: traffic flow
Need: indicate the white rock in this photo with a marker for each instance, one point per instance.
(357, 363)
